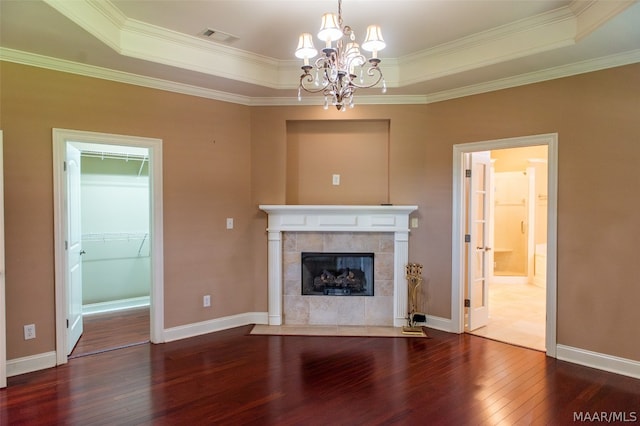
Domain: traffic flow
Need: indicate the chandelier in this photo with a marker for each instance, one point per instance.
(342, 68)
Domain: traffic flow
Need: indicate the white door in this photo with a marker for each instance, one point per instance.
(74, 251)
(479, 237)
(3, 326)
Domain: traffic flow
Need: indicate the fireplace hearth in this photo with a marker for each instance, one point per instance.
(337, 274)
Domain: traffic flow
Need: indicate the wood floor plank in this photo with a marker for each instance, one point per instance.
(231, 377)
(113, 330)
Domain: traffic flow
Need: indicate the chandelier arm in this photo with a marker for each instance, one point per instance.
(371, 72)
(308, 78)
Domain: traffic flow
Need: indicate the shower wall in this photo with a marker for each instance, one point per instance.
(510, 223)
(115, 229)
(513, 255)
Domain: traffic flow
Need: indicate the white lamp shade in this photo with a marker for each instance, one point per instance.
(329, 30)
(374, 41)
(305, 47)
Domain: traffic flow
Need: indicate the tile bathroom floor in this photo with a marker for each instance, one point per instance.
(516, 315)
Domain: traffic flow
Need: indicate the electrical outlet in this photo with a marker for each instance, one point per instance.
(336, 180)
(229, 223)
(29, 331)
(206, 301)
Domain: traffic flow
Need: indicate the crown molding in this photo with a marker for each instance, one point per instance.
(554, 73)
(30, 59)
(528, 36)
(544, 32)
(140, 40)
(592, 14)
(61, 65)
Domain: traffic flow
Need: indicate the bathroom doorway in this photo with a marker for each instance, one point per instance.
(518, 224)
(486, 284)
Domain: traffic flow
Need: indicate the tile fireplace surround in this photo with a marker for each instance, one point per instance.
(383, 230)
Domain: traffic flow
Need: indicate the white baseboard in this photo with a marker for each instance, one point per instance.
(31, 363)
(613, 364)
(218, 324)
(115, 305)
(443, 324)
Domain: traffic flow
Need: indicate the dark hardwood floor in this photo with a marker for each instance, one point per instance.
(233, 378)
(113, 330)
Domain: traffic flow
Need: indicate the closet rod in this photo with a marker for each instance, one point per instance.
(114, 156)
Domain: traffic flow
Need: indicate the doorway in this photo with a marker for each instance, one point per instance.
(466, 311)
(114, 211)
(68, 148)
(518, 237)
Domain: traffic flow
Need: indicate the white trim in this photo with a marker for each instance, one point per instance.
(60, 139)
(3, 306)
(546, 31)
(338, 218)
(591, 65)
(217, 324)
(457, 249)
(438, 323)
(31, 363)
(115, 305)
(613, 364)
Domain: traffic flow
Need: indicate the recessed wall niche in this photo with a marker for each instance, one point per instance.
(356, 150)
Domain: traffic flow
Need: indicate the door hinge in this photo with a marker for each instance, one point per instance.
(467, 238)
(467, 173)
(467, 303)
(64, 166)
(67, 322)
(66, 245)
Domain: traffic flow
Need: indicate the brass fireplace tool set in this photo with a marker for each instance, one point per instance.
(414, 281)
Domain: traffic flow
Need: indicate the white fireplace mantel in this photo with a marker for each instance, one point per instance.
(341, 218)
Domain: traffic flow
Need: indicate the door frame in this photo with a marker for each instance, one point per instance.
(458, 227)
(60, 139)
(3, 305)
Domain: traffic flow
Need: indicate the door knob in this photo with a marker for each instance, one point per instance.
(82, 252)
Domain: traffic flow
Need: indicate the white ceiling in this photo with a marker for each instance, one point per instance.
(436, 49)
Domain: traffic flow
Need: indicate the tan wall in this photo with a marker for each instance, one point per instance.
(357, 151)
(206, 179)
(595, 116)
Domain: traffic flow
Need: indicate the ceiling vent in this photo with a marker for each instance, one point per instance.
(218, 36)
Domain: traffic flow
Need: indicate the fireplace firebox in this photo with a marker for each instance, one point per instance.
(337, 274)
